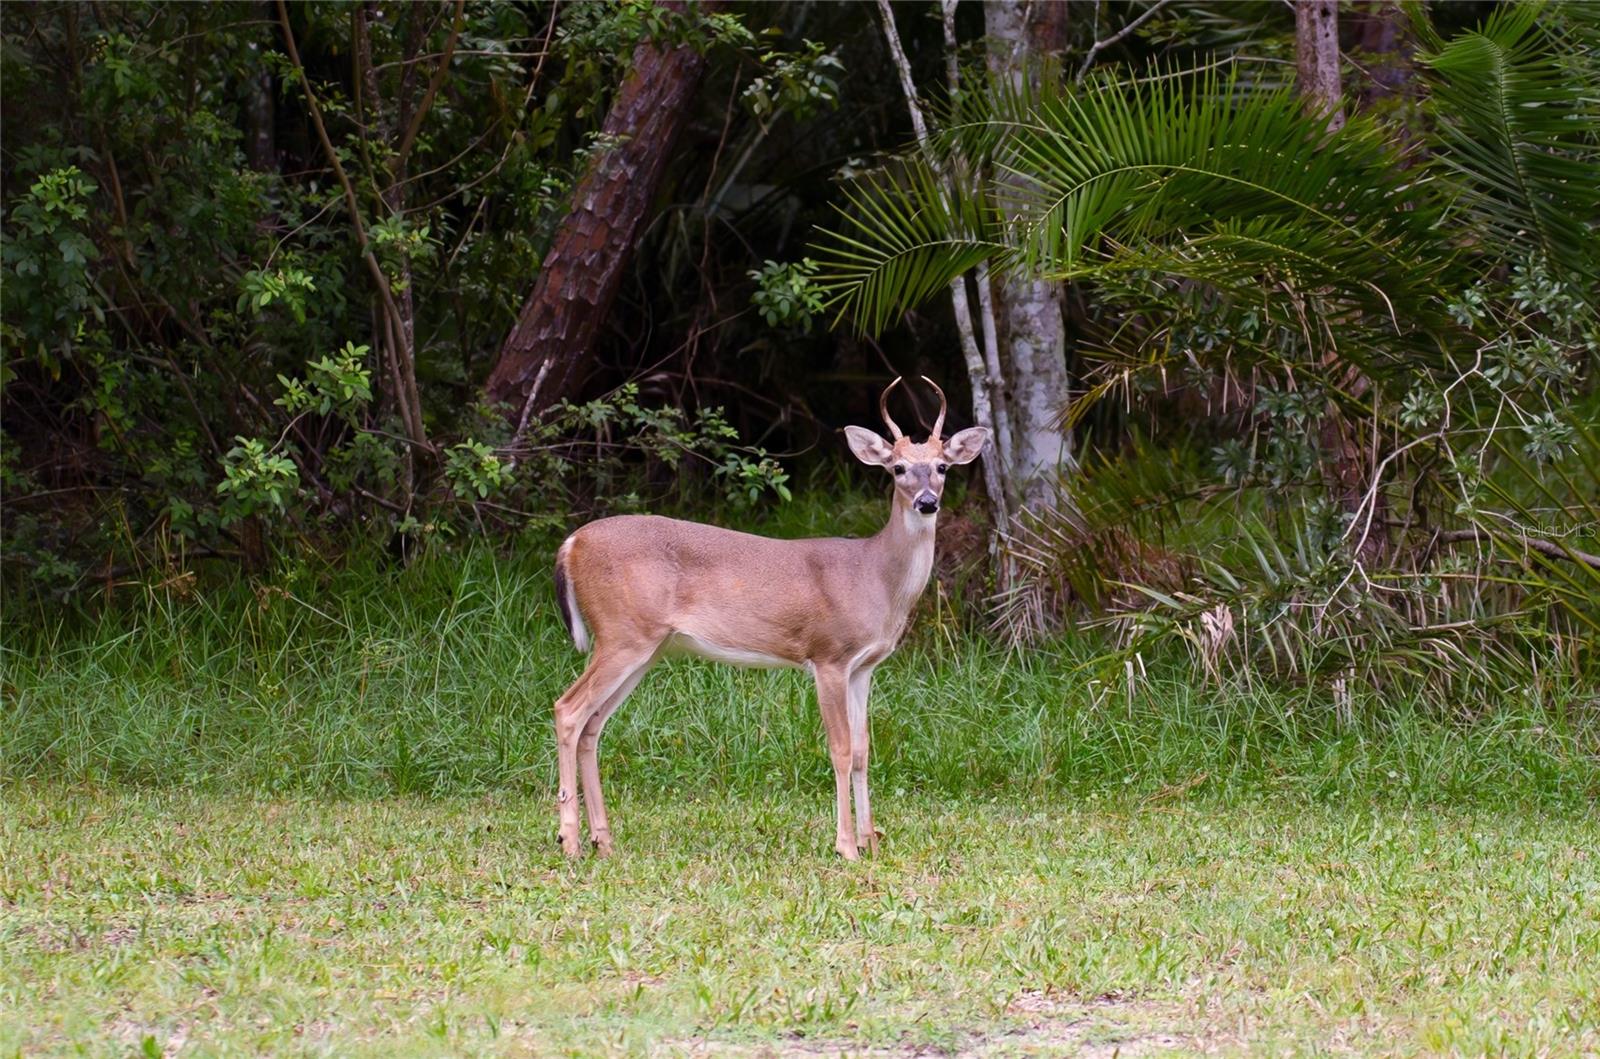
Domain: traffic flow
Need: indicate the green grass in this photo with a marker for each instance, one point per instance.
(314, 814)
(439, 680)
(226, 924)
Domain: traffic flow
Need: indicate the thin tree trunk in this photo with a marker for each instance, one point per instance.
(1033, 328)
(1316, 54)
(983, 365)
(1383, 38)
(399, 332)
(983, 392)
(260, 145)
(550, 350)
(1317, 68)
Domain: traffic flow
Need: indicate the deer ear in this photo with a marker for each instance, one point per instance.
(965, 446)
(869, 447)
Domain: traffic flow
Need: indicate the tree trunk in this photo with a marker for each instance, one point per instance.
(988, 400)
(1316, 55)
(1383, 39)
(260, 142)
(550, 350)
(1021, 36)
(1316, 39)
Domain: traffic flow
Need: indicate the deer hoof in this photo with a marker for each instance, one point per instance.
(602, 845)
(847, 849)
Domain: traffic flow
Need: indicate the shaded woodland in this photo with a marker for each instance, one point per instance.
(1284, 317)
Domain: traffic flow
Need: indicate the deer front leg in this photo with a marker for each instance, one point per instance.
(860, 688)
(832, 698)
(589, 761)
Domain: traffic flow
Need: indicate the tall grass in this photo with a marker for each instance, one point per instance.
(439, 679)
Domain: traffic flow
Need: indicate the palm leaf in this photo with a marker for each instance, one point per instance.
(1561, 501)
(1228, 179)
(1515, 104)
(904, 237)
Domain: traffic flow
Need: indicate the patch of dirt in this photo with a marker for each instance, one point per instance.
(55, 940)
(1100, 1027)
(640, 979)
(133, 1034)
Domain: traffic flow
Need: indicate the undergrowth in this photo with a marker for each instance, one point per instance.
(439, 679)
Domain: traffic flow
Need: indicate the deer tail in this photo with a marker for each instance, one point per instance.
(571, 616)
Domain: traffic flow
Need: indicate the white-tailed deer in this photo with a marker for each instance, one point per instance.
(643, 586)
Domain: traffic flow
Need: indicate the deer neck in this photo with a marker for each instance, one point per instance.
(905, 554)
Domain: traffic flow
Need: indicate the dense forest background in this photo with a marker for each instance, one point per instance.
(1284, 315)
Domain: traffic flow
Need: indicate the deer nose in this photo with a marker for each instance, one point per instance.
(927, 503)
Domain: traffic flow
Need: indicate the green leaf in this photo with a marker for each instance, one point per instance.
(1519, 132)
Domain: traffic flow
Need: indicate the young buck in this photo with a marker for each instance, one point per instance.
(643, 586)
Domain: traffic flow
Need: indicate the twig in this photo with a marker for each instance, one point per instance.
(1543, 547)
(434, 82)
(1101, 45)
(381, 281)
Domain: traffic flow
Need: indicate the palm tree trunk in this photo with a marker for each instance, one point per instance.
(550, 350)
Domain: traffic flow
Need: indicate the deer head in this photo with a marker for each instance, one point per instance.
(918, 469)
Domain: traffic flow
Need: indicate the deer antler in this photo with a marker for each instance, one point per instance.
(883, 410)
(938, 424)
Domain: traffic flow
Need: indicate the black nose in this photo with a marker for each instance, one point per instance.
(927, 506)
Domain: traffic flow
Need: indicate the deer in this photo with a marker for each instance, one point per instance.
(633, 588)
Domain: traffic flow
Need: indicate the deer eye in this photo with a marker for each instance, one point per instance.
(899, 469)
(943, 467)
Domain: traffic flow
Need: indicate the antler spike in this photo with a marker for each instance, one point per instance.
(883, 410)
(938, 424)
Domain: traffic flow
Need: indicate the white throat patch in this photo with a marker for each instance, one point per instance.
(917, 523)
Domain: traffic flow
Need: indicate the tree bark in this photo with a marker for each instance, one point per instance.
(550, 350)
(1021, 36)
(1316, 54)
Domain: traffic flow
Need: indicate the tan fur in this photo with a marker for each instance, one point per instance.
(646, 585)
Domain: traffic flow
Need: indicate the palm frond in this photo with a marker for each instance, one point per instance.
(1173, 160)
(1520, 134)
(904, 236)
(1225, 180)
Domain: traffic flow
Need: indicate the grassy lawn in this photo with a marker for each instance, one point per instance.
(177, 920)
(314, 814)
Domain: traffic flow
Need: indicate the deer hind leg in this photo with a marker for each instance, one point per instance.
(606, 672)
(860, 688)
(833, 694)
(589, 759)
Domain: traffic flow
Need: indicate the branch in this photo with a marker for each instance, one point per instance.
(1101, 45)
(1543, 547)
(380, 280)
(322, 130)
(902, 66)
(427, 97)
